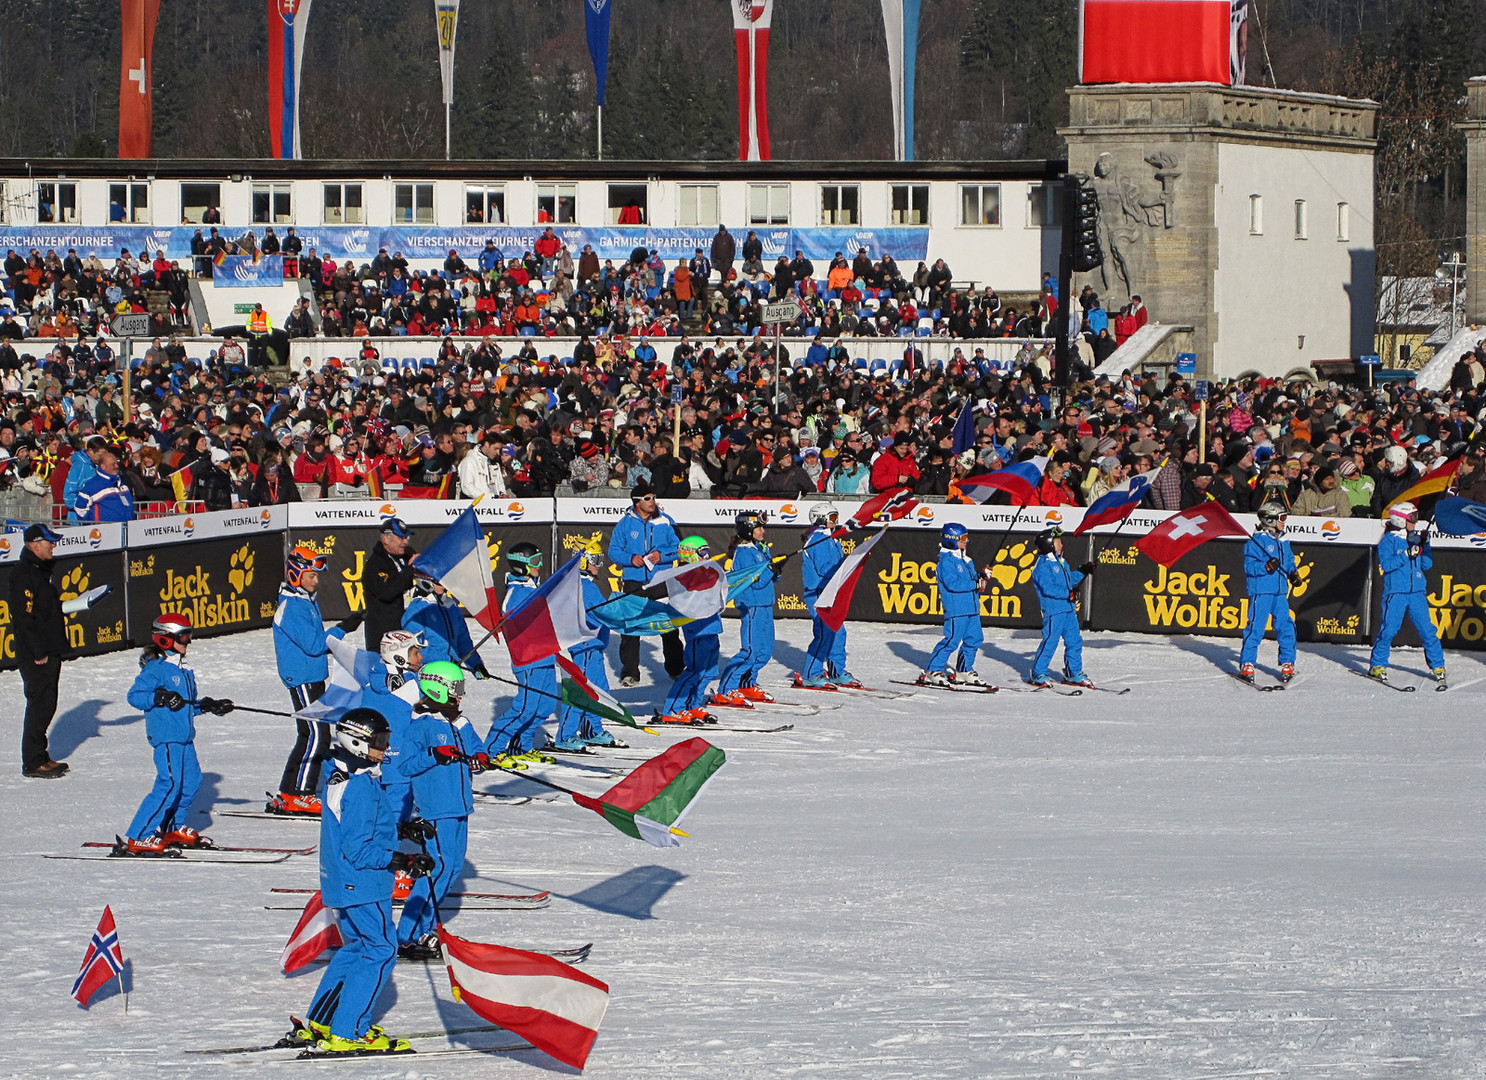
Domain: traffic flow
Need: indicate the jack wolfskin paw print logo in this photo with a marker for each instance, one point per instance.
(1013, 566)
(240, 572)
(74, 583)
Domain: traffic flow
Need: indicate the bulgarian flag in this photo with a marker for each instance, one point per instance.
(578, 692)
(649, 802)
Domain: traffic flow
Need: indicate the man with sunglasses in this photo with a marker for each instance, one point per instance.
(388, 575)
(643, 541)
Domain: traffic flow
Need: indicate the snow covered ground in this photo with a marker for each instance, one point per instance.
(1191, 880)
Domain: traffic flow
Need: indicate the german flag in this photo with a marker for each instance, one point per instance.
(374, 481)
(446, 487)
(1435, 483)
(220, 257)
(180, 483)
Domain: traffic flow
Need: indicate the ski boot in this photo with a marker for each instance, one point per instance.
(847, 681)
(969, 678)
(150, 847)
(756, 693)
(933, 678)
(1078, 680)
(507, 760)
(699, 716)
(574, 745)
(1040, 682)
(304, 1033)
(536, 757)
(629, 680)
(603, 738)
(815, 682)
(733, 699)
(1246, 673)
(292, 805)
(1439, 677)
(1379, 672)
(679, 717)
(373, 1042)
(1287, 672)
(422, 949)
(187, 837)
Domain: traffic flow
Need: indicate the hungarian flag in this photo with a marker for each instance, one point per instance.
(1430, 487)
(136, 93)
(551, 1005)
(181, 481)
(1161, 41)
(1182, 532)
(649, 803)
(1019, 481)
(1455, 516)
(315, 933)
(697, 590)
(553, 620)
(751, 20)
(578, 692)
(1114, 505)
(835, 599)
(459, 561)
(889, 506)
(103, 961)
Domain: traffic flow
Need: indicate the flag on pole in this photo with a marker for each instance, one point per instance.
(1430, 487)
(1455, 516)
(650, 802)
(751, 20)
(1183, 531)
(552, 1005)
(900, 19)
(889, 506)
(1115, 505)
(553, 620)
(964, 433)
(103, 961)
(286, 34)
(578, 692)
(136, 91)
(1019, 481)
(459, 560)
(1158, 41)
(697, 590)
(314, 934)
(596, 20)
(835, 599)
(180, 483)
(446, 15)
(374, 481)
(350, 672)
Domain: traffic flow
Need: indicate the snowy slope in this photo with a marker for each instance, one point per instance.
(1192, 880)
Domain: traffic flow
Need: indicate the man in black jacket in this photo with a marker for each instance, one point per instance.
(40, 638)
(388, 574)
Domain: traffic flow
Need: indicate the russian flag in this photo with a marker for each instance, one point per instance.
(1019, 481)
(553, 620)
(1115, 505)
(460, 562)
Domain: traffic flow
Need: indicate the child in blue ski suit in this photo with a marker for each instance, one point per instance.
(755, 605)
(1403, 557)
(820, 558)
(437, 616)
(513, 733)
(1057, 585)
(577, 728)
(684, 704)
(1269, 570)
(959, 596)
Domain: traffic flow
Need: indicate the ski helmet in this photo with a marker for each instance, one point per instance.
(300, 559)
(694, 549)
(1273, 513)
(749, 520)
(422, 586)
(592, 560)
(361, 731)
(823, 514)
(397, 646)
(1396, 459)
(949, 536)
(525, 556)
(441, 680)
(1046, 537)
(169, 628)
(1402, 515)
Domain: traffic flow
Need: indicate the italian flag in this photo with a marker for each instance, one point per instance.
(649, 802)
(582, 694)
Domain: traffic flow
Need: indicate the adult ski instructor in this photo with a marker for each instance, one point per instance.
(387, 575)
(643, 541)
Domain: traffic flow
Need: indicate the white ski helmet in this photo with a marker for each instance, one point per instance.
(1402, 515)
(1396, 459)
(397, 644)
(1272, 513)
(823, 514)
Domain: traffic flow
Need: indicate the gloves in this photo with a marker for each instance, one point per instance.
(446, 755)
(1415, 551)
(1086, 569)
(351, 622)
(477, 669)
(168, 698)
(414, 865)
(416, 829)
(1271, 566)
(216, 706)
(1294, 577)
(481, 763)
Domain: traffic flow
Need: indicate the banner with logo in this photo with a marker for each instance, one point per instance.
(286, 35)
(446, 17)
(224, 585)
(900, 20)
(246, 272)
(136, 90)
(751, 20)
(76, 540)
(102, 628)
(596, 15)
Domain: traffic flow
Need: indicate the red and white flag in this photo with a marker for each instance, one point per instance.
(551, 1005)
(103, 961)
(751, 20)
(136, 94)
(554, 618)
(889, 506)
(1161, 41)
(315, 932)
(697, 590)
(1182, 532)
(835, 599)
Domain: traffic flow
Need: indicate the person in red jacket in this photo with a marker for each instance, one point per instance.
(546, 248)
(1056, 488)
(896, 468)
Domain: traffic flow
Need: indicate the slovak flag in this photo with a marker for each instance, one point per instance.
(1182, 532)
(459, 561)
(103, 961)
(553, 620)
(1114, 505)
(315, 932)
(834, 600)
(697, 590)
(1019, 481)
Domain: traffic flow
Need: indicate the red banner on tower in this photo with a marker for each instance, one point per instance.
(751, 33)
(1162, 41)
(136, 97)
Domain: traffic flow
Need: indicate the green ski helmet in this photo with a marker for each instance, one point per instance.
(441, 680)
(694, 549)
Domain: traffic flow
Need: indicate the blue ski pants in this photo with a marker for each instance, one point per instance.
(689, 691)
(962, 632)
(756, 629)
(1274, 606)
(177, 779)
(573, 722)
(535, 701)
(1060, 627)
(360, 968)
(1395, 607)
(420, 911)
(827, 654)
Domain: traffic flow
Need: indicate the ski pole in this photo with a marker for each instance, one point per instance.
(247, 708)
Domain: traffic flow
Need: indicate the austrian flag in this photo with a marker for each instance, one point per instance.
(315, 932)
(1182, 532)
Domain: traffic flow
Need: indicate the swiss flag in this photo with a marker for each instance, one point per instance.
(136, 100)
(1182, 532)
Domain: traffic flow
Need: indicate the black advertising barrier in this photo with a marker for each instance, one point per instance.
(1203, 592)
(100, 629)
(225, 584)
(1456, 596)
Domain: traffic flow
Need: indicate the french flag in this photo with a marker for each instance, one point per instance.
(1019, 481)
(460, 562)
(1115, 505)
(552, 621)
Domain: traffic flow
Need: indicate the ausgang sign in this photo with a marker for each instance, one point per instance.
(782, 312)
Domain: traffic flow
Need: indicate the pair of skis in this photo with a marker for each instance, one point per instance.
(309, 1053)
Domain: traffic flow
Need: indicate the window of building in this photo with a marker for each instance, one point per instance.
(980, 204)
(56, 202)
(129, 202)
(197, 199)
(412, 204)
(484, 205)
(1405, 354)
(1044, 206)
(908, 204)
(557, 204)
(698, 205)
(343, 205)
(1256, 215)
(272, 204)
(840, 204)
(629, 204)
(768, 204)
(1302, 224)
(1343, 223)
(4, 205)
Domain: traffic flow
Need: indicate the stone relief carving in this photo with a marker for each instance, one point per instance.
(1128, 207)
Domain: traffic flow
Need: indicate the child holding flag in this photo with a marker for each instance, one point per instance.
(821, 557)
(959, 586)
(513, 733)
(578, 729)
(689, 691)
(1057, 585)
(739, 683)
(1403, 557)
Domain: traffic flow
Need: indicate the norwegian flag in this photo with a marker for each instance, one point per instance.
(697, 590)
(315, 932)
(1182, 532)
(889, 506)
(103, 961)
